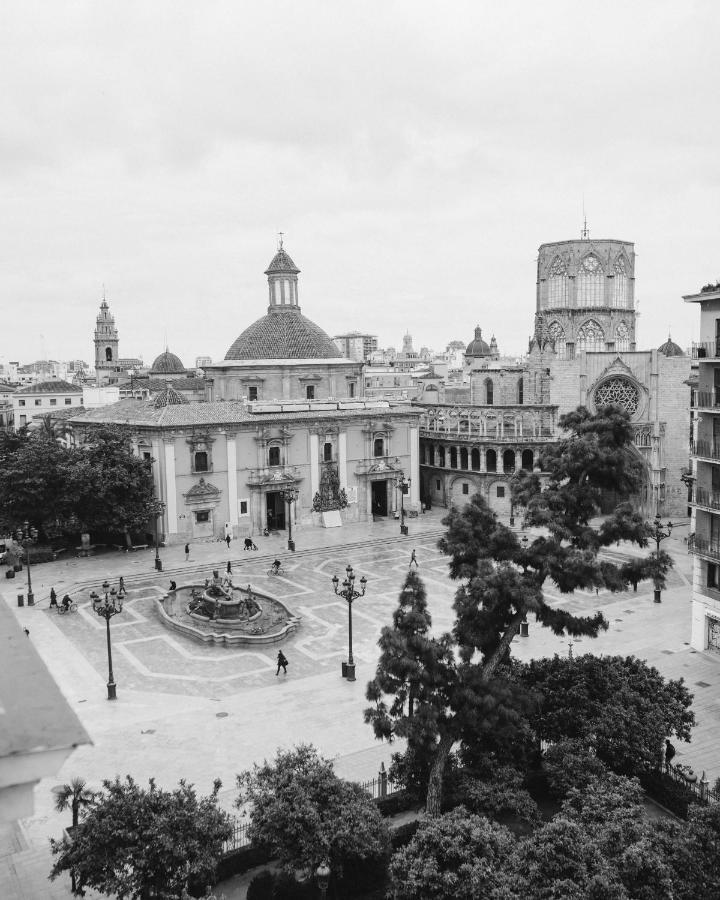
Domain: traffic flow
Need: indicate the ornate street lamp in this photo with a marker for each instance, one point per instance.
(403, 485)
(26, 537)
(290, 495)
(524, 628)
(658, 532)
(322, 873)
(107, 608)
(349, 594)
(158, 561)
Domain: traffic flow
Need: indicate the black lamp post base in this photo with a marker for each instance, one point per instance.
(524, 629)
(403, 529)
(348, 670)
(31, 599)
(656, 596)
(111, 690)
(158, 564)
(291, 546)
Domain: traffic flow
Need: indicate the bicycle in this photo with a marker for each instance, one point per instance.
(276, 570)
(73, 607)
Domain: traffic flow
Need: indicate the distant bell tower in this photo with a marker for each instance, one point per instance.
(106, 346)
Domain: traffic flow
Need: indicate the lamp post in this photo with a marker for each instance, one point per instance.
(658, 532)
(26, 537)
(524, 629)
(349, 594)
(158, 561)
(403, 485)
(290, 495)
(512, 512)
(107, 608)
(322, 873)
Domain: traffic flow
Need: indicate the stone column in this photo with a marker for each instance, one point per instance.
(314, 465)
(342, 460)
(232, 478)
(414, 438)
(170, 489)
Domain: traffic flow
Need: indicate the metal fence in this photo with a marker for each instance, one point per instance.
(700, 787)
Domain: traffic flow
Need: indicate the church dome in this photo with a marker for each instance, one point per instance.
(283, 334)
(670, 348)
(167, 364)
(478, 347)
(168, 396)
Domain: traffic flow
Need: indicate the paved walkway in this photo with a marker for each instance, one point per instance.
(187, 710)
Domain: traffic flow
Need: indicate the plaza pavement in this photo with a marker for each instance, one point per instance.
(186, 710)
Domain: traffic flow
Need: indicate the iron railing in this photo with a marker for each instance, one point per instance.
(706, 349)
(703, 497)
(705, 449)
(703, 546)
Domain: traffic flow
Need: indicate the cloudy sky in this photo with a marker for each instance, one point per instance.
(415, 154)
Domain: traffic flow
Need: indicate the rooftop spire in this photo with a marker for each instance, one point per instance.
(584, 234)
(280, 242)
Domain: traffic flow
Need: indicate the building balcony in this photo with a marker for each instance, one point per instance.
(465, 437)
(706, 349)
(704, 547)
(705, 450)
(708, 400)
(709, 500)
(270, 475)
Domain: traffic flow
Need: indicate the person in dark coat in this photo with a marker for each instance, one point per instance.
(53, 598)
(187, 552)
(173, 586)
(229, 567)
(669, 754)
(282, 663)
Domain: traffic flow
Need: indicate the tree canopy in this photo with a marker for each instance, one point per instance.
(303, 813)
(621, 708)
(138, 843)
(99, 485)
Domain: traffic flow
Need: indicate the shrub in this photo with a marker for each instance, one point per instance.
(570, 764)
(261, 886)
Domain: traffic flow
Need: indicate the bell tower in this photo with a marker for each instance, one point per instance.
(106, 346)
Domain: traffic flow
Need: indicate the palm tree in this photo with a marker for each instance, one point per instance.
(73, 796)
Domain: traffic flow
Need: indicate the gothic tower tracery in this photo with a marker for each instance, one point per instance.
(106, 346)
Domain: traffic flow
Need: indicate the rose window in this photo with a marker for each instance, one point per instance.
(618, 392)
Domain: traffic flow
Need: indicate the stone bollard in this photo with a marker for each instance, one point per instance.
(704, 788)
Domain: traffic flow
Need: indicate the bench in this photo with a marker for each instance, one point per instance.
(138, 547)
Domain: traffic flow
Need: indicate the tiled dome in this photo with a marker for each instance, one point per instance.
(281, 262)
(670, 348)
(168, 396)
(478, 347)
(283, 334)
(167, 364)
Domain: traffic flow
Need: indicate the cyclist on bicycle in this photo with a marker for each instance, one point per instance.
(276, 566)
(66, 602)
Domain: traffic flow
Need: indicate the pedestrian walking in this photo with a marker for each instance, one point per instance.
(669, 754)
(121, 588)
(227, 540)
(53, 598)
(248, 544)
(27, 632)
(229, 568)
(187, 552)
(413, 559)
(282, 663)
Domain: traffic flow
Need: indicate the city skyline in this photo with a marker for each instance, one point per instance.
(414, 160)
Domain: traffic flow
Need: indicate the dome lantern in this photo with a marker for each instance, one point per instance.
(282, 276)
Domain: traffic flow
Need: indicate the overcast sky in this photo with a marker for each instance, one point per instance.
(415, 154)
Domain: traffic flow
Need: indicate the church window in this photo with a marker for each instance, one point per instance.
(590, 282)
(327, 452)
(463, 458)
(622, 337)
(620, 392)
(509, 462)
(351, 389)
(491, 461)
(557, 291)
(591, 337)
(437, 484)
(108, 354)
(489, 391)
(379, 447)
(441, 457)
(527, 460)
(202, 516)
(520, 391)
(310, 392)
(252, 392)
(500, 492)
(621, 292)
(273, 456)
(453, 457)
(465, 488)
(475, 459)
(201, 461)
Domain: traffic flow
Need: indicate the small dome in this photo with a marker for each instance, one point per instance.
(670, 348)
(167, 364)
(281, 262)
(283, 334)
(168, 396)
(478, 347)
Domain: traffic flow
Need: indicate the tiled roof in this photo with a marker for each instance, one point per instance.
(169, 397)
(51, 387)
(283, 334)
(219, 412)
(281, 262)
(167, 364)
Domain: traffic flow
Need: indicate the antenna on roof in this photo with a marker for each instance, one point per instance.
(280, 242)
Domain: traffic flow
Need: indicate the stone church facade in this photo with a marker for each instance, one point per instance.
(583, 352)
